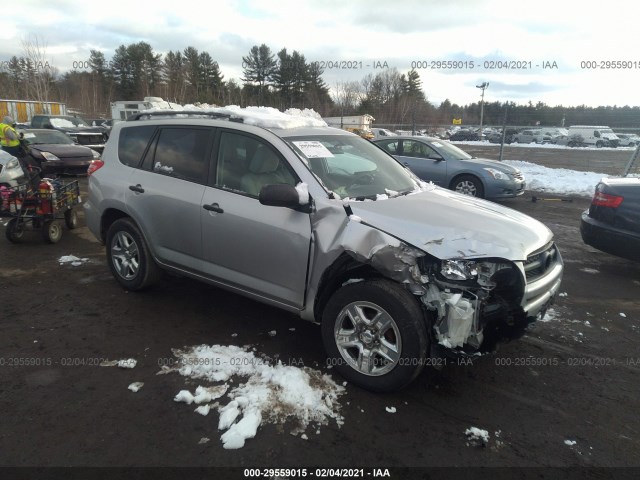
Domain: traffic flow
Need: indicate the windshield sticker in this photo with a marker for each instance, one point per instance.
(313, 149)
(29, 135)
(436, 144)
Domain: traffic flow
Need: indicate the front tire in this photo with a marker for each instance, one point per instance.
(13, 232)
(129, 258)
(375, 335)
(468, 185)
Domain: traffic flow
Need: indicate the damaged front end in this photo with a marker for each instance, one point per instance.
(470, 304)
(476, 303)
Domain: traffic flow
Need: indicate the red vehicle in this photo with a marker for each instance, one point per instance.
(42, 208)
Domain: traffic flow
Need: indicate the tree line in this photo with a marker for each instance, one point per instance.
(282, 80)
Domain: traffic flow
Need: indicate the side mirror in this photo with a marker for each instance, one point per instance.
(281, 195)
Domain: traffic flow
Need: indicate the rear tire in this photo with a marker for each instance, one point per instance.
(51, 231)
(12, 232)
(71, 219)
(129, 258)
(375, 335)
(468, 185)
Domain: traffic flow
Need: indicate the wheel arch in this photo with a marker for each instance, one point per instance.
(108, 217)
(344, 268)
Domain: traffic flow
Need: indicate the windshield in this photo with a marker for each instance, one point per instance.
(68, 122)
(352, 167)
(49, 136)
(450, 151)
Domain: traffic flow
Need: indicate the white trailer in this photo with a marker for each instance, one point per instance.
(121, 110)
(351, 121)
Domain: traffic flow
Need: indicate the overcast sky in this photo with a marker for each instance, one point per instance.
(370, 35)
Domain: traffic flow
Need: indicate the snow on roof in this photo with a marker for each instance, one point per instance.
(266, 117)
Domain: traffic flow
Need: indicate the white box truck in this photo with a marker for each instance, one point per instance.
(595, 135)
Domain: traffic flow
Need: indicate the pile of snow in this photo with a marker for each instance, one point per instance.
(557, 180)
(270, 394)
(135, 386)
(477, 436)
(266, 117)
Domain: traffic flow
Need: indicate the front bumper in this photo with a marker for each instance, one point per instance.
(497, 189)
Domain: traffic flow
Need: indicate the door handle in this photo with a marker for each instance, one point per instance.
(136, 188)
(214, 207)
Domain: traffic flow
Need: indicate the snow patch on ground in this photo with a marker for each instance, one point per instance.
(590, 270)
(271, 393)
(135, 386)
(477, 436)
(551, 314)
(72, 259)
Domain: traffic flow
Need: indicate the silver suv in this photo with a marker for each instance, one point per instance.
(322, 223)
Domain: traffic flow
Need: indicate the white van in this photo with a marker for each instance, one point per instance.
(599, 136)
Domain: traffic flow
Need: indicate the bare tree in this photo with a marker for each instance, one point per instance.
(346, 95)
(42, 74)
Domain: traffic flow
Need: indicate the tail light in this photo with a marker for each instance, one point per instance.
(94, 166)
(605, 200)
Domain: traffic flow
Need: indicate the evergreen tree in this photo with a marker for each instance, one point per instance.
(258, 69)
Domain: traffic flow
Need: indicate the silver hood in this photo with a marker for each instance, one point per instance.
(450, 225)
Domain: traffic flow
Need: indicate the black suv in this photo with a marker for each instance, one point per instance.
(79, 130)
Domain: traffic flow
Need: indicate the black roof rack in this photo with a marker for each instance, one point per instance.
(189, 113)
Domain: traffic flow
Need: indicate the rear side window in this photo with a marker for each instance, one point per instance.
(182, 152)
(133, 142)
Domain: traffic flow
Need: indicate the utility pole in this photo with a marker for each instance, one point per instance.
(483, 87)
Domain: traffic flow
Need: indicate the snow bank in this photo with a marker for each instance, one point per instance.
(271, 393)
(557, 180)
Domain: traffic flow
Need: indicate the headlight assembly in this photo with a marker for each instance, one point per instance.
(458, 270)
(50, 156)
(497, 174)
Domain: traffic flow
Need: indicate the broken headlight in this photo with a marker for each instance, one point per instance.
(458, 270)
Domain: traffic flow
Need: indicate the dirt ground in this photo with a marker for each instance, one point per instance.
(572, 378)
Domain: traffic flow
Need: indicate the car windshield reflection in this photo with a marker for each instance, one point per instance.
(352, 167)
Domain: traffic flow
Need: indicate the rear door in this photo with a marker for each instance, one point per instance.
(255, 248)
(165, 195)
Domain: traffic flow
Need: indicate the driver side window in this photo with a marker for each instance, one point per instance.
(247, 164)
